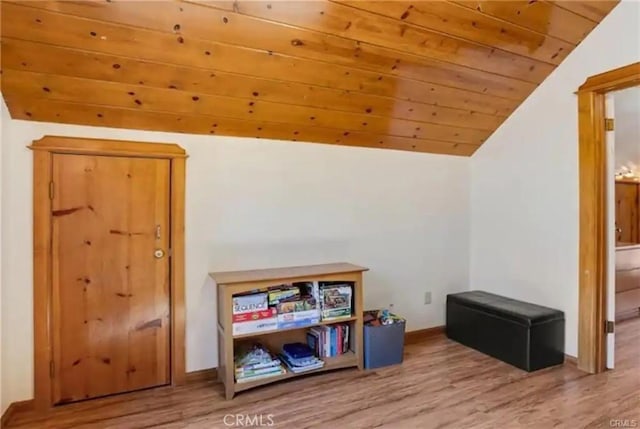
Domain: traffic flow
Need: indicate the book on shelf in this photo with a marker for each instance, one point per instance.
(257, 366)
(255, 315)
(247, 379)
(300, 357)
(277, 294)
(297, 370)
(254, 361)
(335, 300)
(298, 319)
(241, 373)
(255, 326)
(249, 303)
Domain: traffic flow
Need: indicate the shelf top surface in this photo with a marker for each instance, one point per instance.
(235, 277)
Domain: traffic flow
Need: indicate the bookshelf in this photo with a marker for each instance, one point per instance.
(238, 282)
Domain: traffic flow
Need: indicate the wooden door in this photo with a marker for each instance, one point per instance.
(110, 309)
(627, 213)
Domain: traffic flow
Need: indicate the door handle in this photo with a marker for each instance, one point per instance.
(159, 253)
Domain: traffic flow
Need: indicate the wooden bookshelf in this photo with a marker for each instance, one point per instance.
(237, 282)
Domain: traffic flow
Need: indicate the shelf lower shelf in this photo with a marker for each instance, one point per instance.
(275, 331)
(346, 360)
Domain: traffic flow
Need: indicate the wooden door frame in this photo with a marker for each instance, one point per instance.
(593, 212)
(43, 151)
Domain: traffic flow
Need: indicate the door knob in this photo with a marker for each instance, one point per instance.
(159, 253)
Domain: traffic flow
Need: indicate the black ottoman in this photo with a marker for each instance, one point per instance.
(525, 335)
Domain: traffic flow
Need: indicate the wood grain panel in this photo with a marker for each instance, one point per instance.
(29, 56)
(627, 209)
(43, 26)
(225, 25)
(540, 16)
(371, 28)
(42, 336)
(623, 77)
(367, 69)
(594, 10)
(469, 24)
(593, 232)
(155, 99)
(440, 384)
(178, 271)
(110, 313)
(65, 112)
(269, 274)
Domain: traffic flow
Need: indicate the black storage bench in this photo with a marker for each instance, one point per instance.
(525, 335)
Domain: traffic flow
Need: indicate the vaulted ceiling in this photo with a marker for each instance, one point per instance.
(426, 76)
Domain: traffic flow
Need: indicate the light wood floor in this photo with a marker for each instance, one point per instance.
(441, 384)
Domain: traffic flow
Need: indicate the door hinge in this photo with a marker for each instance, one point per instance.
(609, 327)
(51, 190)
(51, 369)
(169, 252)
(609, 124)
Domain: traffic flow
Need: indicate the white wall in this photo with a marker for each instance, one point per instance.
(524, 180)
(257, 203)
(627, 128)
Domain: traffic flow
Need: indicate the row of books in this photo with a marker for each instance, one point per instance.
(329, 341)
(291, 306)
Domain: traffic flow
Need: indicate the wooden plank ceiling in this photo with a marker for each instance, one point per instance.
(426, 76)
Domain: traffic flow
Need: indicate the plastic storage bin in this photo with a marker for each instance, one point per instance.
(383, 345)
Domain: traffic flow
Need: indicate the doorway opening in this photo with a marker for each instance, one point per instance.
(597, 224)
(622, 136)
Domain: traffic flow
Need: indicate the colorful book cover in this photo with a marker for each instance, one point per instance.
(336, 301)
(298, 319)
(333, 341)
(286, 293)
(250, 303)
(255, 315)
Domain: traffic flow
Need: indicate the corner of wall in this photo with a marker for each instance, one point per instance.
(524, 180)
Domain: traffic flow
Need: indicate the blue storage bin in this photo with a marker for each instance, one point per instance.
(383, 345)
